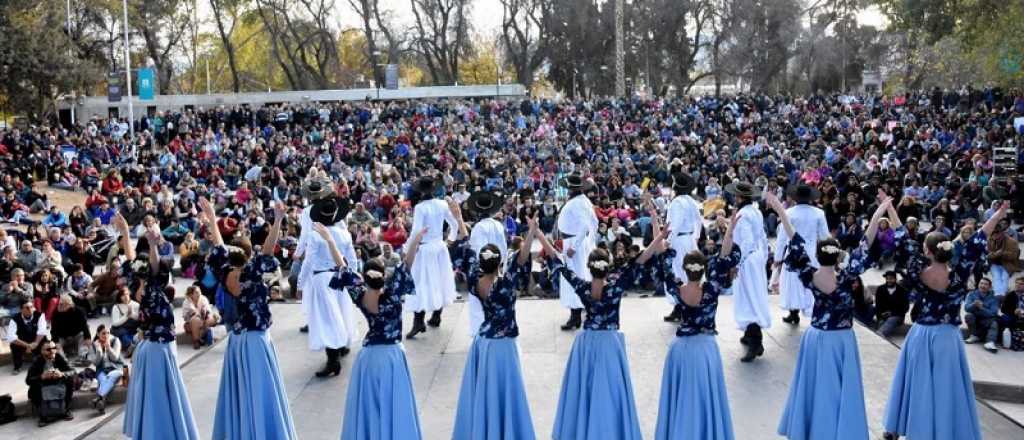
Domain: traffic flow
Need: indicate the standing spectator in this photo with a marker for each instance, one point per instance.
(891, 305)
(981, 310)
(24, 333)
(1003, 258)
(48, 370)
(105, 357)
(69, 328)
(124, 318)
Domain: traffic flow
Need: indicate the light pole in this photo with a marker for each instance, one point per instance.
(376, 68)
(71, 53)
(128, 72)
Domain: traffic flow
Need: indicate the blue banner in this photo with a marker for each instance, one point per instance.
(147, 83)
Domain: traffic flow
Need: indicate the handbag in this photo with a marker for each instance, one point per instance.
(52, 404)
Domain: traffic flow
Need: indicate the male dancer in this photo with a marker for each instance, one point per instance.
(751, 285)
(808, 221)
(685, 222)
(487, 230)
(577, 223)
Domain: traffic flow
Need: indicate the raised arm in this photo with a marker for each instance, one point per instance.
(894, 217)
(326, 235)
(209, 216)
(549, 249)
(456, 214)
(524, 250)
(153, 240)
(727, 240)
(125, 241)
(773, 201)
(414, 245)
(275, 231)
(990, 225)
(885, 202)
(656, 247)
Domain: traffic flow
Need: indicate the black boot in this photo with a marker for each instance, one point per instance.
(793, 318)
(676, 315)
(333, 367)
(890, 436)
(575, 320)
(417, 325)
(435, 318)
(755, 347)
(304, 329)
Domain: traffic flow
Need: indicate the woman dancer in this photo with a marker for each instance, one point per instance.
(492, 400)
(433, 274)
(380, 403)
(694, 403)
(252, 402)
(932, 395)
(158, 405)
(597, 393)
(826, 397)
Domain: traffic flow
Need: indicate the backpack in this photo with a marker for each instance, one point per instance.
(52, 404)
(7, 414)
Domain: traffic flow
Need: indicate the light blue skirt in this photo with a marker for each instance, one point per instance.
(492, 402)
(694, 403)
(252, 402)
(157, 404)
(826, 397)
(932, 396)
(597, 394)
(380, 403)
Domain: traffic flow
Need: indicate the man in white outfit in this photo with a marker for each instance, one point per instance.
(686, 223)
(432, 270)
(751, 285)
(577, 224)
(487, 230)
(808, 221)
(316, 187)
(330, 312)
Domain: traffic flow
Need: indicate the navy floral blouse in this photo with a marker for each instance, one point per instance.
(935, 307)
(386, 324)
(699, 319)
(251, 304)
(500, 304)
(603, 313)
(832, 311)
(156, 308)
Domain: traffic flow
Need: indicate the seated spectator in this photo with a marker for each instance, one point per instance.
(360, 216)
(981, 310)
(46, 293)
(1003, 258)
(55, 218)
(105, 357)
(15, 292)
(1011, 313)
(188, 251)
(124, 318)
(7, 262)
(24, 333)
(79, 286)
(390, 257)
(69, 328)
(199, 316)
(29, 258)
(47, 371)
(850, 232)
(395, 234)
(52, 260)
(891, 305)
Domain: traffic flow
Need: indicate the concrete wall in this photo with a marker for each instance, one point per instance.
(98, 106)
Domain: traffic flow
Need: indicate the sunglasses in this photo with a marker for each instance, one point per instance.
(49, 348)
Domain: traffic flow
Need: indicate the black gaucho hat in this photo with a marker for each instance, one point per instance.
(484, 203)
(330, 210)
(803, 193)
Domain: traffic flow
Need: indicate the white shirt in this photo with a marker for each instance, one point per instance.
(42, 329)
(433, 214)
(684, 218)
(810, 223)
(578, 218)
(749, 234)
(488, 231)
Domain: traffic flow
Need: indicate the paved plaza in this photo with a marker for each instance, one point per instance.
(757, 391)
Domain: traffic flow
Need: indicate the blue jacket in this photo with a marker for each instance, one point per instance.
(989, 304)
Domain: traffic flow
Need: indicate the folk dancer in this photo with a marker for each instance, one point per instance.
(432, 271)
(577, 223)
(809, 222)
(487, 230)
(751, 288)
(686, 223)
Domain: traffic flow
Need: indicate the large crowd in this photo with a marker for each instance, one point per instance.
(59, 268)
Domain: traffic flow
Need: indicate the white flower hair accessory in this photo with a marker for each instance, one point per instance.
(488, 254)
(830, 249)
(599, 264)
(374, 274)
(694, 267)
(945, 245)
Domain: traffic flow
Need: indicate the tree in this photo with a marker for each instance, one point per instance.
(226, 15)
(582, 35)
(375, 24)
(759, 41)
(481, 65)
(441, 32)
(524, 36)
(161, 24)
